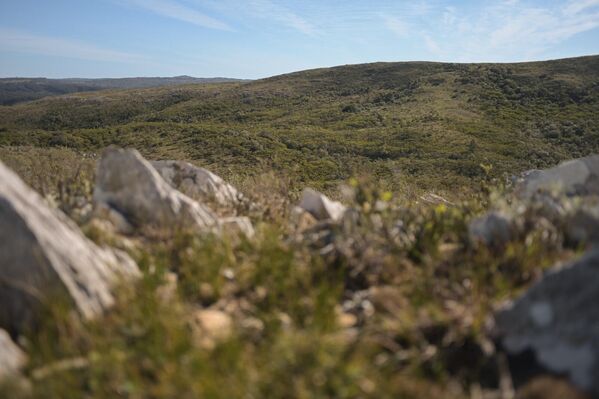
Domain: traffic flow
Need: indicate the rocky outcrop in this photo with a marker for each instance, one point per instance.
(558, 321)
(199, 183)
(321, 207)
(43, 254)
(565, 196)
(12, 359)
(574, 178)
(128, 183)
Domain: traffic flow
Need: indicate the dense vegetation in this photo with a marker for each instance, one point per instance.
(391, 303)
(428, 125)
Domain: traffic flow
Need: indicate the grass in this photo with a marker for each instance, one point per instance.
(418, 291)
(391, 303)
(423, 125)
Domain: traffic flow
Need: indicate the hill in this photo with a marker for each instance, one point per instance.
(244, 290)
(416, 124)
(16, 90)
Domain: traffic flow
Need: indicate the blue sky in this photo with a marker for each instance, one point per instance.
(259, 38)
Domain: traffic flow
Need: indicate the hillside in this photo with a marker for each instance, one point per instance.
(423, 274)
(429, 125)
(16, 90)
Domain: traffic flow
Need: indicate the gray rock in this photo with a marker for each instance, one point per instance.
(238, 224)
(12, 359)
(43, 253)
(494, 229)
(576, 177)
(558, 320)
(582, 227)
(199, 183)
(128, 183)
(118, 222)
(321, 207)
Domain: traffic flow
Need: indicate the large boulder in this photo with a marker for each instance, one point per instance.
(12, 359)
(128, 183)
(320, 206)
(576, 177)
(199, 183)
(557, 320)
(43, 253)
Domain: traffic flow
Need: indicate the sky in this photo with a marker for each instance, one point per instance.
(259, 38)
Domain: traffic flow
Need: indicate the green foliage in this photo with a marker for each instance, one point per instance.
(429, 292)
(417, 120)
(416, 291)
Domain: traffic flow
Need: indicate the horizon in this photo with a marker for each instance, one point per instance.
(257, 39)
(291, 72)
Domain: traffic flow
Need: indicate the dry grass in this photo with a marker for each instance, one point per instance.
(392, 302)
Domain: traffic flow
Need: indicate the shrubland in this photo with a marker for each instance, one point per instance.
(393, 301)
(424, 125)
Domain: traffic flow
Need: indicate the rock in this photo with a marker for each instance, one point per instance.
(199, 183)
(301, 219)
(345, 319)
(238, 224)
(211, 326)
(128, 183)
(577, 177)
(493, 229)
(43, 253)
(547, 206)
(582, 227)
(557, 320)
(118, 222)
(321, 207)
(435, 199)
(12, 359)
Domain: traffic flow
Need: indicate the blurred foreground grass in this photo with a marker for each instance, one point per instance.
(393, 303)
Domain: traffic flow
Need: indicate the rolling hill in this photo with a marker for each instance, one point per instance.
(392, 292)
(16, 90)
(418, 124)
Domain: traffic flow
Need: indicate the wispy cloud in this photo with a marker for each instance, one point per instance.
(25, 42)
(176, 10)
(432, 45)
(576, 6)
(514, 30)
(248, 11)
(267, 9)
(396, 25)
(543, 27)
